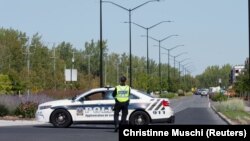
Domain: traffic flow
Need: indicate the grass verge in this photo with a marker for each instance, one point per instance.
(240, 117)
(234, 110)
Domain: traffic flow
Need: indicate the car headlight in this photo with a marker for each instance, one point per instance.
(44, 107)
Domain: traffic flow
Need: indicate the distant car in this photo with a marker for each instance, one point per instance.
(204, 92)
(198, 92)
(96, 106)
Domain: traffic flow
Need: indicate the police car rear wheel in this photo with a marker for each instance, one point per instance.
(139, 118)
(61, 118)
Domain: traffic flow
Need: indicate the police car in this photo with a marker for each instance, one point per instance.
(96, 106)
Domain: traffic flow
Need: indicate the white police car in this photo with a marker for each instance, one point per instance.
(96, 106)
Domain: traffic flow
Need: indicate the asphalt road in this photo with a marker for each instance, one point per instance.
(48, 133)
(193, 110)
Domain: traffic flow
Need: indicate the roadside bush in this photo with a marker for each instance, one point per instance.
(11, 102)
(35, 98)
(231, 105)
(26, 110)
(181, 92)
(189, 93)
(218, 97)
(61, 94)
(3, 111)
(168, 95)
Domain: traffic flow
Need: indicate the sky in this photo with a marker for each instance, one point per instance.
(213, 32)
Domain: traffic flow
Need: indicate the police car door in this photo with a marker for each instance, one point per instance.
(97, 106)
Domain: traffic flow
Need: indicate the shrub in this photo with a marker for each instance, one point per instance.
(3, 111)
(5, 84)
(181, 92)
(219, 97)
(61, 94)
(231, 105)
(11, 102)
(168, 95)
(36, 98)
(189, 93)
(27, 110)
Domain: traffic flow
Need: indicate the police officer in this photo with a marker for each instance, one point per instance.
(121, 95)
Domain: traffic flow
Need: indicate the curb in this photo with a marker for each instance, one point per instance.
(223, 117)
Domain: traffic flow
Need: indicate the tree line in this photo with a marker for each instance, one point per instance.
(29, 63)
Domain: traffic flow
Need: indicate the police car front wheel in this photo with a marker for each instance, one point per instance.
(139, 118)
(61, 118)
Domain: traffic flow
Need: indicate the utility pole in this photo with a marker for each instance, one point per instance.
(28, 53)
(127, 71)
(105, 71)
(54, 64)
(89, 66)
(89, 55)
(72, 67)
(249, 44)
(101, 48)
(117, 72)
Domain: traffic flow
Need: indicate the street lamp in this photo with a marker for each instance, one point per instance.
(248, 44)
(101, 49)
(186, 67)
(130, 44)
(180, 67)
(176, 57)
(185, 71)
(147, 29)
(188, 70)
(168, 59)
(159, 42)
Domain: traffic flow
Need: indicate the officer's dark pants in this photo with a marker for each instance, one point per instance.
(118, 107)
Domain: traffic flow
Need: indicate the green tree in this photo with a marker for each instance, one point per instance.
(5, 84)
(210, 77)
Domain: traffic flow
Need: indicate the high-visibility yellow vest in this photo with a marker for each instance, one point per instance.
(122, 93)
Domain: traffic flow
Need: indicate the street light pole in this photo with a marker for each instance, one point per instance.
(183, 66)
(130, 42)
(176, 57)
(147, 29)
(180, 68)
(101, 49)
(130, 50)
(169, 60)
(249, 44)
(159, 45)
(185, 72)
